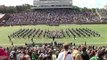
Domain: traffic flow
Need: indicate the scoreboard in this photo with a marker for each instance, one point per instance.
(54, 0)
(52, 3)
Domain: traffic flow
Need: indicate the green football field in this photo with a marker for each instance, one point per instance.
(100, 28)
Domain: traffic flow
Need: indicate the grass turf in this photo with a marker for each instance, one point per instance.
(100, 28)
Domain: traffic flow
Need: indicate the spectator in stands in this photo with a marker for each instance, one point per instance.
(20, 55)
(65, 55)
(99, 55)
(3, 54)
(26, 55)
(84, 53)
(76, 54)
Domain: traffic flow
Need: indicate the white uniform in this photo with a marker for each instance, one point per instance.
(61, 56)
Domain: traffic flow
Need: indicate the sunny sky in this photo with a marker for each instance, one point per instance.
(80, 3)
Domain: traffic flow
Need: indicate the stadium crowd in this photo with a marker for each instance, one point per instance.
(102, 12)
(52, 17)
(57, 52)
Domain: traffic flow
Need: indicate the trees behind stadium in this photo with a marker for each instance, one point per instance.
(14, 9)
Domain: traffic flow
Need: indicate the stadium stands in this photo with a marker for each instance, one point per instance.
(3, 18)
(52, 17)
(102, 13)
